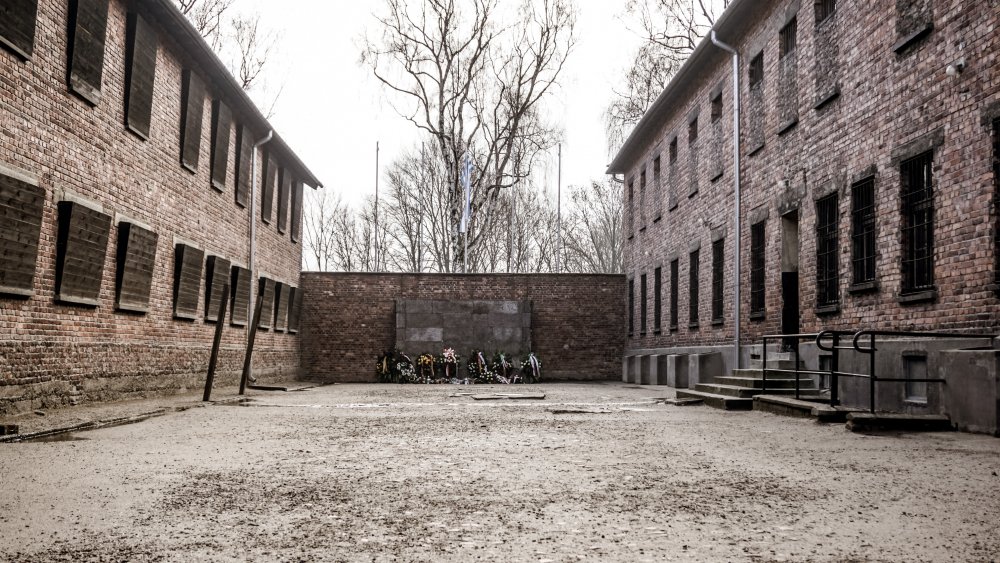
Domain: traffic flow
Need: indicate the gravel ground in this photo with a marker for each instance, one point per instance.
(416, 473)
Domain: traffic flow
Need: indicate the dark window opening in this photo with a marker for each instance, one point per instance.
(918, 223)
(673, 150)
(244, 156)
(17, 26)
(827, 272)
(643, 305)
(718, 279)
(996, 199)
(296, 226)
(284, 189)
(717, 107)
(657, 189)
(824, 9)
(140, 73)
(267, 189)
(693, 131)
(657, 299)
(221, 124)
(631, 207)
(674, 292)
(863, 231)
(631, 307)
(87, 31)
(642, 198)
(756, 74)
(693, 281)
(786, 38)
(192, 109)
(757, 269)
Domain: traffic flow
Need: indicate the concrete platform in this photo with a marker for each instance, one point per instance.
(868, 422)
(789, 406)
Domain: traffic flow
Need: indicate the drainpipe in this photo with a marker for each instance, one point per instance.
(253, 236)
(736, 193)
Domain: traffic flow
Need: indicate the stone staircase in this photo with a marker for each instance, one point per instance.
(736, 391)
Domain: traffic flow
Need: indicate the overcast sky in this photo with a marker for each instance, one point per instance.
(331, 111)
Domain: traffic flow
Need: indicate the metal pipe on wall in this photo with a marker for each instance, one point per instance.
(253, 229)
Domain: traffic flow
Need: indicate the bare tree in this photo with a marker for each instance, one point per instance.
(594, 240)
(473, 82)
(671, 29)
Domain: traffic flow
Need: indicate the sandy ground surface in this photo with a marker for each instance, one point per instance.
(394, 473)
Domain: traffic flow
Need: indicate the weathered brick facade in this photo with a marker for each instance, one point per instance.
(349, 319)
(60, 348)
(849, 91)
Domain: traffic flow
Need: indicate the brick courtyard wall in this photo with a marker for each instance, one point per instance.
(851, 102)
(54, 353)
(349, 319)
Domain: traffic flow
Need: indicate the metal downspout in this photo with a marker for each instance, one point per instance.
(736, 193)
(253, 234)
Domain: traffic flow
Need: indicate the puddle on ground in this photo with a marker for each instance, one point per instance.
(61, 437)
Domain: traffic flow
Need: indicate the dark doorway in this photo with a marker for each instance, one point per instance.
(790, 276)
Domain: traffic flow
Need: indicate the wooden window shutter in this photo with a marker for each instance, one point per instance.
(281, 294)
(136, 259)
(192, 110)
(81, 247)
(244, 157)
(296, 226)
(266, 290)
(240, 296)
(217, 273)
(283, 188)
(17, 26)
(87, 29)
(222, 120)
(267, 189)
(188, 262)
(140, 74)
(21, 207)
(294, 310)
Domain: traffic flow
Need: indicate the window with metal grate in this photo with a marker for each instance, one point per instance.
(694, 270)
(718, 279)
(643, 302)
(917, 196)
(757, 248)
(674, 292)
(863, 231)
(827, 271)
(657, 299)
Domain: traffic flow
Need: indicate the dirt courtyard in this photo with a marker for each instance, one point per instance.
(415, 473)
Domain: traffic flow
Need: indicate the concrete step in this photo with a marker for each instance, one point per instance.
(789, 406)
(717, 401)
(868, 422)
(758, 383)
(772, 373)
(774, 364)
(748, 392)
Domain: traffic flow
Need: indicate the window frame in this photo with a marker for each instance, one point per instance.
(787, 40)
(694, 288)
(827, 253)
(643, 304)
(657, 299)
(718, 281)
(824, 10)
(758, 272)
(917, 225)
(675, 266)
(755, 71)
(863, 234)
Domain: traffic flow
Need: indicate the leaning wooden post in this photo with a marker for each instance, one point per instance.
(253, 335)
(219, 324)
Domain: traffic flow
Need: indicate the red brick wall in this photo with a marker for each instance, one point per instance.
(349, 319)
(52, 351)
(887, 101)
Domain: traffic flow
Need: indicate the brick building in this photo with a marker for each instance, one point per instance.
(867, 182)
(126, 207)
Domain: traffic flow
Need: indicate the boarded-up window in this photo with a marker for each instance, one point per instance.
(296, 226)
(17, 26)
(81, 248)
(192, 108)
(21, 209)
(87, 27)
(188, 262)
(294, 310)
(136, 257)
(265, 289)
(283, 191)
(217, 272)
(281, 294)
(267, 189)
(244, 157)
(221, 123)
(239, 293)
(140, 72)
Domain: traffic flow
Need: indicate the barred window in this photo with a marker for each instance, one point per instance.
(657, 299)
(757, 269)
(631, 306)
(642, 307)
(673, 150)
(786, 38)
(674, 286)
(642, 198)
(863, 231)
(718, 278)
(630, 216)
(996, 198)
(827, 272)
(693, 272)
(717, 107)
(756, 74)
(693, 131)
(657, 190)
(824, 9)
(918, 223)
